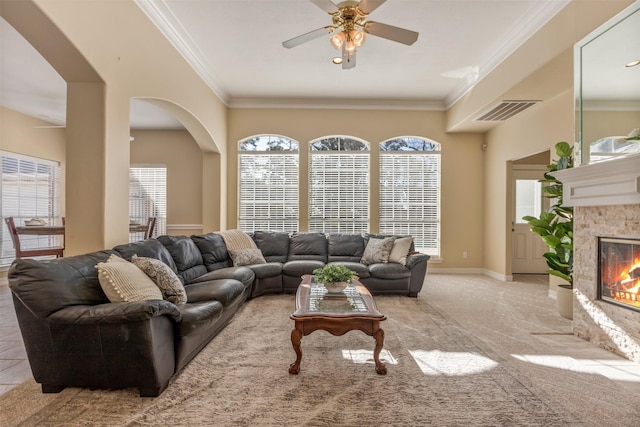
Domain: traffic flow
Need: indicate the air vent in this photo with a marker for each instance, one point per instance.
(505, 110)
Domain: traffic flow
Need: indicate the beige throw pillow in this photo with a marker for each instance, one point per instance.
(377, 251)
(164, 277)
(123, 281)
(400, 250)
(246, 257)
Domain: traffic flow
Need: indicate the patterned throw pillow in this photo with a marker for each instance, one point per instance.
(165, 279)
(246, 257)
(377, 250)
(123, 281)
(400, 250)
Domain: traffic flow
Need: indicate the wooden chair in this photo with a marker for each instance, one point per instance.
(58, 251)
(151, 225)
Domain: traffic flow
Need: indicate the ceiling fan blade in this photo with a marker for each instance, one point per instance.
(307, 37)
(390, 32)
(368, 6)
(326, 5)
(348, 59)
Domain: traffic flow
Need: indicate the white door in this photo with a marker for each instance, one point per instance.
(527, 246)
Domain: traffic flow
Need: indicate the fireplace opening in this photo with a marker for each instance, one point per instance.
(619, 272)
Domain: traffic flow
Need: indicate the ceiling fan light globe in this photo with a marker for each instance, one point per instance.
(338, 39)
(357, 37)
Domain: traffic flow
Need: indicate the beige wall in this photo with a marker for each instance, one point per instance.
(25, 135)
(179, 153)
(530, 132)
(462, 157)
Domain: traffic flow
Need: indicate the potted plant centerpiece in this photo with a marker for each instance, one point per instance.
(555, 227)
(334, 277)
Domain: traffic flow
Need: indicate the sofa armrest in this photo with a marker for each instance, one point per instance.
(415, 259)
(417, 263)
(117, 312)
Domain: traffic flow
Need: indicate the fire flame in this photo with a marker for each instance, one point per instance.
(630, 278)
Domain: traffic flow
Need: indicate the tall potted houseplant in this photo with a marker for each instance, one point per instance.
(555, 227)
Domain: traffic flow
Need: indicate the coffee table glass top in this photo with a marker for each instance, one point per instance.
(314, 299)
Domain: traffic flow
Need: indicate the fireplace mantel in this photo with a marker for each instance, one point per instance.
(611, 182)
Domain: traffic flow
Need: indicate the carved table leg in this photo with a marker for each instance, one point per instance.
(296, 336)
(379, 336)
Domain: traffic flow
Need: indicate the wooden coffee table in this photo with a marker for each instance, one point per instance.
(337, 314)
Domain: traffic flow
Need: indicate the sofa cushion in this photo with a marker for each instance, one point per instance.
(301, 267)
(308, 246)
(345, 247)
(46, 287)
(123, 281)
(400, 250)
(377, 250)
(227, 291)
(361, 270)
(242, 274)
(213, 250)
(199, 316)
(248, 256)
(186, 255)
(274, 245)
(150, 248)
(165, 279)
(389, 270)
(270, 269)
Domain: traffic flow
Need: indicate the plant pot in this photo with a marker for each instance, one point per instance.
(336, 287)
(564, 299)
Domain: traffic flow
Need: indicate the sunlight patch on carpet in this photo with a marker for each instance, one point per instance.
(437, 362)
(616, 370)
(361, 357)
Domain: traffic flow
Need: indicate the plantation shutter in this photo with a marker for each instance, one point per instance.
(148, 197)
(339, 192)
(31, 188)
(410, 197)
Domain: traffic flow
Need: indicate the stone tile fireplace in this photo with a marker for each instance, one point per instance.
(606, 200)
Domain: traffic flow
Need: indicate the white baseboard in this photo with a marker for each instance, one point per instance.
(483, 271)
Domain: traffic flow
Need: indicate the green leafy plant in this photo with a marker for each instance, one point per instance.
(555, 225)
(332, 273)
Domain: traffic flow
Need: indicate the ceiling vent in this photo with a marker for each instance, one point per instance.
(505, 110)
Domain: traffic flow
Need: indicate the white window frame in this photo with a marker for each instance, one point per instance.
(339, 185)
(148, 196)
(268, 184)
(410, 177)
(34, 190)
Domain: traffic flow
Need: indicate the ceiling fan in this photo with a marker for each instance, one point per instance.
(349, 29)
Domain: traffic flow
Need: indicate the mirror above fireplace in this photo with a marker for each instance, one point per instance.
(608, 89)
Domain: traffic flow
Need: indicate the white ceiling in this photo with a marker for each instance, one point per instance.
(236, 47)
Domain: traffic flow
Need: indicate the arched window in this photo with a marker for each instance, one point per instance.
(268, 184)
(410, 190)
(339, 185)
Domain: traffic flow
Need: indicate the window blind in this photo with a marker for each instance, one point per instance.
(410, 197)
(31, 188)
(268, 191)
(339, 192)
(148, 197)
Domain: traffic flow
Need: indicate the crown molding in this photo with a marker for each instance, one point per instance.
(338, 103)
(160, 14)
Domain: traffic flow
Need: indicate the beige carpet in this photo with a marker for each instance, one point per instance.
(438, 374)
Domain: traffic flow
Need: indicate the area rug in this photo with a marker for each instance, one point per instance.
(438, 374)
